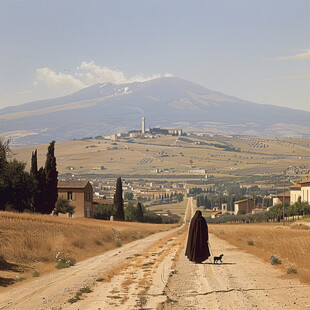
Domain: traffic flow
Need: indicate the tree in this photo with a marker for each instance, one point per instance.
(16, 185)
(103, 212)
(4, 151)
(63, 206)
(34, 175)
(34, 164)
(51, 179)
(198, 201)
(41, 191)
(118, 201)
(140, 217)
(128, 196)
(179, 197)
(152, 218)
(17, 188)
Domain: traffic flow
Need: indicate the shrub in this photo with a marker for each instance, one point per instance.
(250, 243)
(63, 206)
(65, 263)
(275, 261)
(36, 274)
(136, 235)
(80, 292)
(291, 270)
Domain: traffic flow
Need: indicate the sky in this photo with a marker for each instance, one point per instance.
(254, 50)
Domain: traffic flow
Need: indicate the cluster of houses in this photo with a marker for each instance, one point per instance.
(297, 191)
(82, 194)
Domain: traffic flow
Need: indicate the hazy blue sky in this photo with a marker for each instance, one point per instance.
(255, 50)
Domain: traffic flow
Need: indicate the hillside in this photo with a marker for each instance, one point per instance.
(166, 102)
(175, 157)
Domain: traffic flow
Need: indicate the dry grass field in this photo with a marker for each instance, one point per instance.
(291, 244)
(216, 154)
(175, 208)
(30, 242)
(179, 209)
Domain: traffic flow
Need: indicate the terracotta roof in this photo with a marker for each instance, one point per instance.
(305, 182)
(249, 199)
(71, 184)
(286, 194)
(295, 186)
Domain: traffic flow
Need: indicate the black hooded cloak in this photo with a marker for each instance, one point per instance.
(197, 249)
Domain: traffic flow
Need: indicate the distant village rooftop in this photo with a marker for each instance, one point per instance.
(295, 186)
(71, 184)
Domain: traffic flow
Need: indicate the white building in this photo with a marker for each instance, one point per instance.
(295, 191)
(305, 191)
(302, 190)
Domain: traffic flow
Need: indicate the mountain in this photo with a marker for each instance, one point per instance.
(167, 102)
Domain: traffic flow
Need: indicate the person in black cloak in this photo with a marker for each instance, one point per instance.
(197, 249)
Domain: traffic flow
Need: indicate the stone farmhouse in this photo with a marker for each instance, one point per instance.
(244, 206)
(278, 199)
(79, 194)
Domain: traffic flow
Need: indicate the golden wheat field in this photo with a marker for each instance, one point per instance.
(178, 154)
(291, 244)
(31, 242)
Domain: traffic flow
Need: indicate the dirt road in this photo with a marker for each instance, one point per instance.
(153, 273)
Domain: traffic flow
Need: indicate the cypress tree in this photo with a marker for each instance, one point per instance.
(198, 201)
(34, 164)
(51, 179)
(34, 175)
(118, 201)
(41, 192)
(140, 217)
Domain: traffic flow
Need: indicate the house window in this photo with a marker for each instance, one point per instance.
(70, 195)
(87, 196)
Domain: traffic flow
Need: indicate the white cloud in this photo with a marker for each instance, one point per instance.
(55, 80)
(304, 55)
(96, 74)
(88, 73)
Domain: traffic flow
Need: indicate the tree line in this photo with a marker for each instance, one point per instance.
(20, 190)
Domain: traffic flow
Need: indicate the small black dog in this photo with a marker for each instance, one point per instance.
(218, 258)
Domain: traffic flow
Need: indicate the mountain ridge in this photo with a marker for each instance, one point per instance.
(107, 108)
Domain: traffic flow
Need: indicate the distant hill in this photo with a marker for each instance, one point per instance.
(166, 102)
